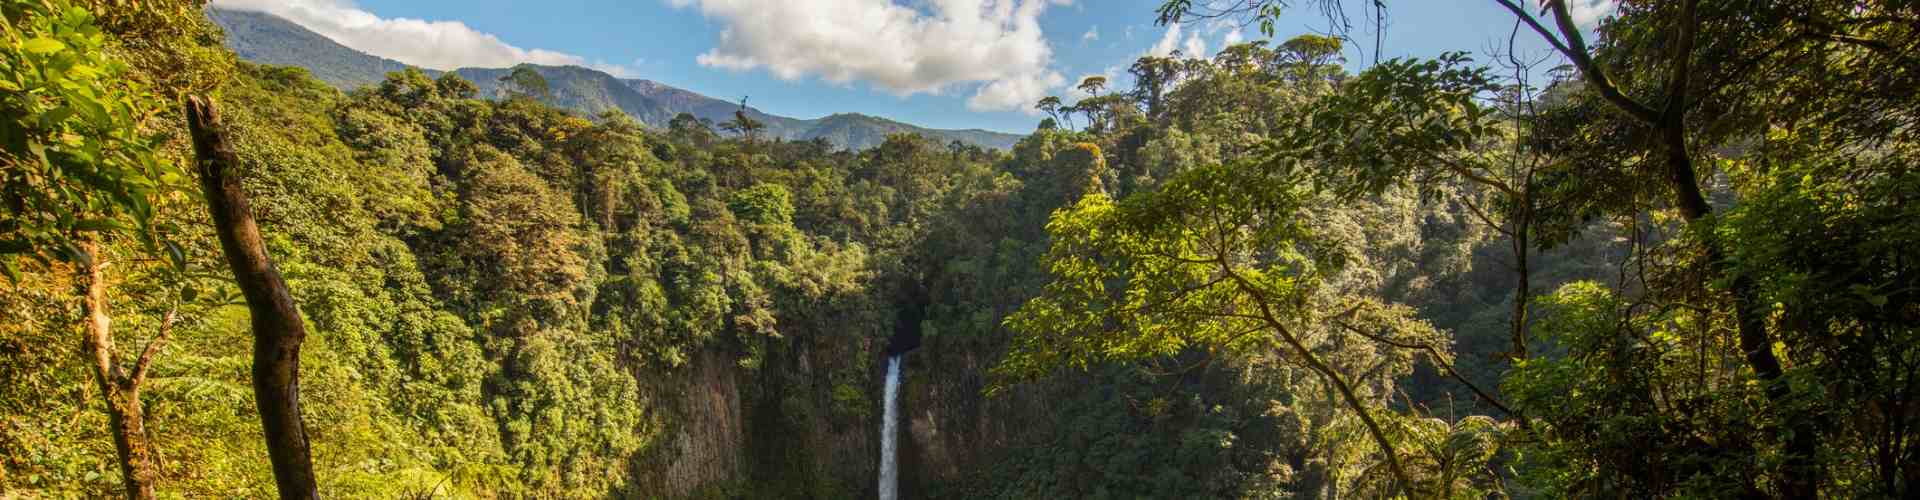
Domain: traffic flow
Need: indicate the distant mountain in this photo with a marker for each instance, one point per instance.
(576, 88)
(268, 39)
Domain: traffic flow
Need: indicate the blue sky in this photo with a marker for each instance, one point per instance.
(935, 63)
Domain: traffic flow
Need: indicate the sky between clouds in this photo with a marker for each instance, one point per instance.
(940, 63)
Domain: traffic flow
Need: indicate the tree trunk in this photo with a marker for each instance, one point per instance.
(122, 393)
(1402, 482)
(1523, 286)
(1802, 475)
(277, 328)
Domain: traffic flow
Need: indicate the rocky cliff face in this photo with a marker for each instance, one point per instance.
(702, 447)
(783, 429)
(954, 432)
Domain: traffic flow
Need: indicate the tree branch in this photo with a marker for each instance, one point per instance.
(1575, 48)
(1681, 72)
(153, 346)
(1437, 361)
(1333, 378)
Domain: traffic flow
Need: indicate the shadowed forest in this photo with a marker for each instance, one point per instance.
(1678, 256)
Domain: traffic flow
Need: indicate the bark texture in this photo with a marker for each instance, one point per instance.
(122, 391)
(277, 328)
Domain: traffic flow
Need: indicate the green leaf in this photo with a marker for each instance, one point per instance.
(57, 115)
(75, 254)
(95, 225)
(178, 257)
(43, 45)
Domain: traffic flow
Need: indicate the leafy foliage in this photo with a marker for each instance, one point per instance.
(1250, 275)
(74, 151)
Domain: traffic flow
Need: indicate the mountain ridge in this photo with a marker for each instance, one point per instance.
(268, 39)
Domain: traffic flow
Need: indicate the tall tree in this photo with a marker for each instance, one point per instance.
(1092, 85)
(1309, 55)
(278, 329)
(744, 125)
(1051, 106)
(1152, 77)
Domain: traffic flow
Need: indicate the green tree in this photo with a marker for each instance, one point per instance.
(525, 82)
(84, 172)
(742, 124)
(1152, 77)
(1221, 260)
(1712, 100)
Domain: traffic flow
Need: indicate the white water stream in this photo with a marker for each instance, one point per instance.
(889, 467)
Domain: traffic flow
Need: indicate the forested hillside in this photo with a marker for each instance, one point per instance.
(1681, 266)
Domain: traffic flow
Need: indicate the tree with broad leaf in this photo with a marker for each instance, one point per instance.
(1677, 90)
(85, 181)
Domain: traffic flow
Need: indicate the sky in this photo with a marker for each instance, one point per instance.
(933, 63)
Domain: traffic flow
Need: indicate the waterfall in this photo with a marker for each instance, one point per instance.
(889, 463)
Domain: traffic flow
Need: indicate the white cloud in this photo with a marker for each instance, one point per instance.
(1587, 13)
(1018, 93)
(1192, 47)
(1092, 34)
(1168, 42)
(903, 50)
(442, 45)
(1233, 37)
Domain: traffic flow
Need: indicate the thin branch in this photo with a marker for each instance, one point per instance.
(1437, 361)
(154, 346)
(1484, 219)
(1681, 71)
(1333, 377)
(1502, 187)
(1575, 48)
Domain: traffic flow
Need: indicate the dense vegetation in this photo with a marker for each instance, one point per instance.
(1681, 267)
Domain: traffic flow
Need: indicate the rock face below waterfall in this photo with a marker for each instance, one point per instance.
(779, 430)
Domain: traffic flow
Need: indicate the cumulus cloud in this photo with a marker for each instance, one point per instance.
(1191, 47)
(1587, 13)
(1194, 46)
(1169, 41)
(442, 45)
(1233, 37)
(946, 44)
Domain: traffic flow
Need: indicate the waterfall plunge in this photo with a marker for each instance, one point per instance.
(889, 429)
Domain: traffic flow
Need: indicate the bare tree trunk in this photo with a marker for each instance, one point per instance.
(122, 393)
(277, 328)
